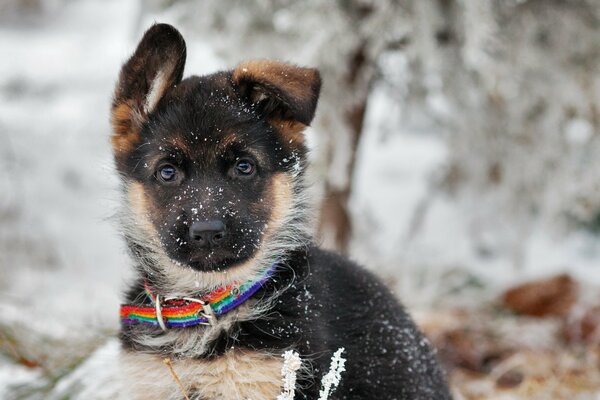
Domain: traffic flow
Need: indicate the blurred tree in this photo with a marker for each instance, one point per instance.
(520, 84)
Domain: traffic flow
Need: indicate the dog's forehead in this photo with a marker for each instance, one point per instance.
(204, 115)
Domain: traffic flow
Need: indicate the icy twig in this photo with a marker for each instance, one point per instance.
(332, 379)
(291, 364)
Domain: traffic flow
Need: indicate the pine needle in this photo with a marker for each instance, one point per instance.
(169, 365)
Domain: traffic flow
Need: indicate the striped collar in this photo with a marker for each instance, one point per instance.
(180, 312)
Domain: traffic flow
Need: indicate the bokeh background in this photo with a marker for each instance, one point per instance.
(455, 154)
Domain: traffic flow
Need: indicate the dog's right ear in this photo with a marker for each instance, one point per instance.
(285, 94)
(155, 67)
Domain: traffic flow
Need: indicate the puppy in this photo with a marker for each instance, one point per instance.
(216, 219)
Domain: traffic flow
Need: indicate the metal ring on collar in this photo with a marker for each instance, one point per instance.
(159, 316)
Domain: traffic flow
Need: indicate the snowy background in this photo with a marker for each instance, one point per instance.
(455, 148)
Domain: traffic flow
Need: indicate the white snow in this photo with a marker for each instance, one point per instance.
(97, 378)
(12, 377)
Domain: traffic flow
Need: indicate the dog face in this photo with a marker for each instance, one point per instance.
(210, 163)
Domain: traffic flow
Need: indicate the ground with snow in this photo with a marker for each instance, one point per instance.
(62, 262)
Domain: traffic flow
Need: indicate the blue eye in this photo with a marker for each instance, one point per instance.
(244, 167)
(167, 173)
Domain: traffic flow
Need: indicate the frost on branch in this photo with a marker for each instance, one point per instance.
(291, 364)
(329, 383)
(332, 379)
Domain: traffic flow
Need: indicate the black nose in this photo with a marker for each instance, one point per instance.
(208, 233)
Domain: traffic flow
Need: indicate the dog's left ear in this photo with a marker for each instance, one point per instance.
(282, 92)
(155, 68)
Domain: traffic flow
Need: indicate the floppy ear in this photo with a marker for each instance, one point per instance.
(282, 92)
(155, 67)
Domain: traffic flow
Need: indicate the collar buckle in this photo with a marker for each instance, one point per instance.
(205, 310)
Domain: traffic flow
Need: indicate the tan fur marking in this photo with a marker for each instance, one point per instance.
(236, 375)
(293, 79)
(281, 192)
(179, 143)
(126, 121)
(138, 202)
(292, 131)
(228, 140)
(233, 138)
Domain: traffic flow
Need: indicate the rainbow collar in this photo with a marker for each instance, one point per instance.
(180, 312)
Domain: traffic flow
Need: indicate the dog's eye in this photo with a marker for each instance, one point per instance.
(167, 173)
(244, 167)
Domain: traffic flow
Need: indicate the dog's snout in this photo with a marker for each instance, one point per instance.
(208, 233)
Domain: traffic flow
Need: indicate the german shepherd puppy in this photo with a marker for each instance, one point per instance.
(216, 219)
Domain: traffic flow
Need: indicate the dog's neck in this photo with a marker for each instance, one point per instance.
(198, 341)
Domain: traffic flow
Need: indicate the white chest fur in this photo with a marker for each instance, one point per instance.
(236, 375)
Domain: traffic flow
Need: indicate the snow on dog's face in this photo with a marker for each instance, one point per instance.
(210, 162)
